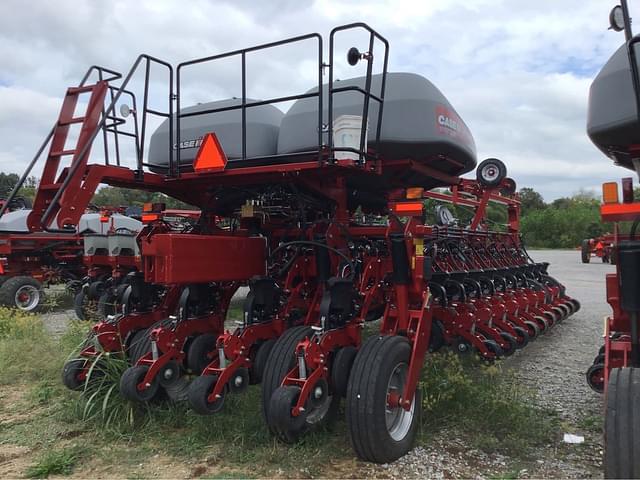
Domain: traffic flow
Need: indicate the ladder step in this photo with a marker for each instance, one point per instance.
(72, 121)
(77, 90)
(61, 153)
(51, 186)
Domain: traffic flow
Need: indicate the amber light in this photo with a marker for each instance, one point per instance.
(414, 193)
(610, 192)
(150, 217)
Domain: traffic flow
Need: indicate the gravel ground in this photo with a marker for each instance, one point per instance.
(553, 366)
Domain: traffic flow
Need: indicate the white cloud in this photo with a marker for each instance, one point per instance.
(517, 72)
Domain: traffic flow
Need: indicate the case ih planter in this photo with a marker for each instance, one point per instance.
(614, 127)
(327, 233)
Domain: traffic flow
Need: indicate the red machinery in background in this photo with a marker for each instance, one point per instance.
(600, 247)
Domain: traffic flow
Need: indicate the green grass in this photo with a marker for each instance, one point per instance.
(485, 404)
(480, 402)
(56, 462)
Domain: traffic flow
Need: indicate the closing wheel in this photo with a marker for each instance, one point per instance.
(96, 289)
(200, 352)
(198, 395)
(522, 338)
(169, 374)
(513, 343)
(24, 293)
(281, 360)
(138, 345)
(462, 347)
(595, 377)
(622, 424)
(381, 430)
(533, 329)
(72, 374)
(491, 172)
(129, 381)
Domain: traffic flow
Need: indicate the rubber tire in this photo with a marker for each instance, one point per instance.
(622, 424)
(513, 343)
(341, 369)
(11, 286)
(535, 327)
(585, 252)
(96, 289)
(129, 385)
(598, 388)
(79, 305)
(287, 428)
(496, 349)
(199, 392)
(366, 400)
(197, 359)
(256, 373)
(105, 305)
(523, 336)
(139, 345)
(502, 172)
(70, 373)
(280, 361)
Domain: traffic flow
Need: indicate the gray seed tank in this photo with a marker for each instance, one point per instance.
(418, 123)
(613, 124)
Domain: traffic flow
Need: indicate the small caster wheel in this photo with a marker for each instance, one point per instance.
(491, 172)
(595, 377)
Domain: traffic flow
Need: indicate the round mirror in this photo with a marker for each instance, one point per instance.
(125, 110)
(353, 56)
(616, 19)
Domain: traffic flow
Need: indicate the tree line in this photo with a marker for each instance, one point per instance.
(563, 223)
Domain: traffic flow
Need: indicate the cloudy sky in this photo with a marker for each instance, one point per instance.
(517, 72)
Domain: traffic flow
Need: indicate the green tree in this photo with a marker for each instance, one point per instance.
(530, 200)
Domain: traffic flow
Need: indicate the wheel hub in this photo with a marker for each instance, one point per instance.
(27, 298)
(398, 420)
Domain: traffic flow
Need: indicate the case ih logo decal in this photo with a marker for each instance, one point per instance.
(189, 144)
(448, 123)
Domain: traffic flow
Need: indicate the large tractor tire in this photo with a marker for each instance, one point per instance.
(622, 424)
(379, 432)
(24, 293)
(586, 251)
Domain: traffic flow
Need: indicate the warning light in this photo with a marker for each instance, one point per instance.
(414, 193)
(150, 217)
(210, 157)
(408, 209)
(610, 192)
